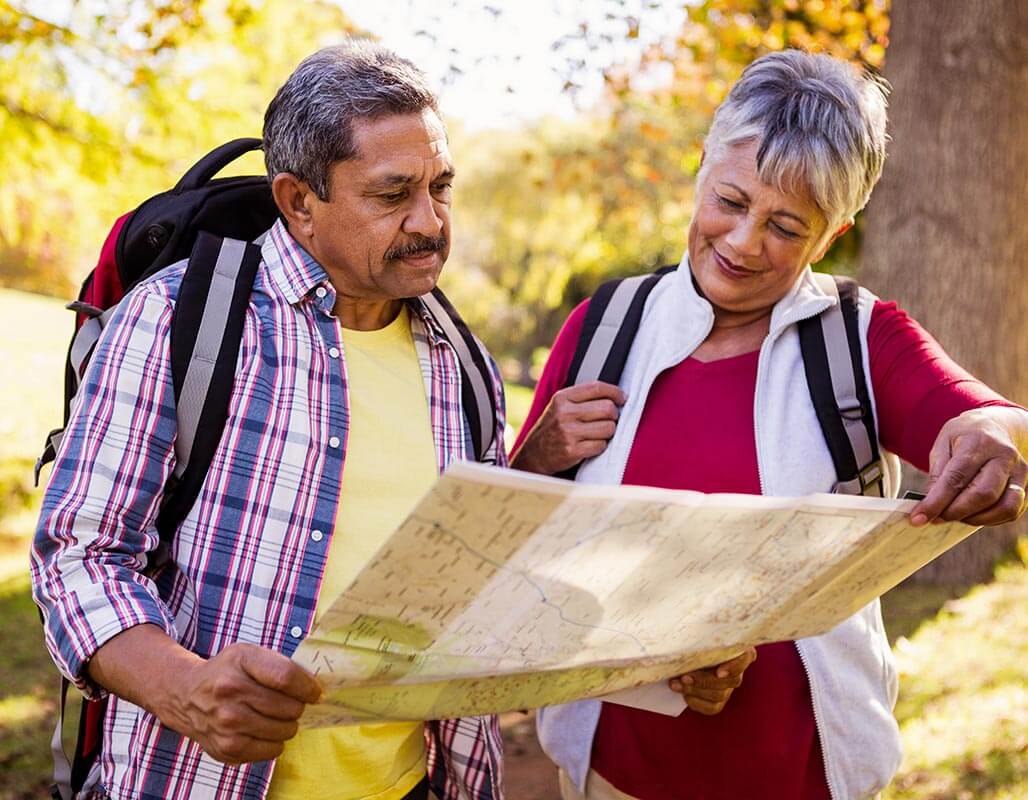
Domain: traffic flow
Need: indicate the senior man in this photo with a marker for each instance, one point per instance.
(360, 410)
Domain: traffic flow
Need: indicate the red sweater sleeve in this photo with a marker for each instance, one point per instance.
(917, 387)
(556, 370)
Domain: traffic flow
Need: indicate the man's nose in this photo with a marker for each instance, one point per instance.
(424, 217)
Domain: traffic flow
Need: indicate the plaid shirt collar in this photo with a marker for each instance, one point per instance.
(295, 274)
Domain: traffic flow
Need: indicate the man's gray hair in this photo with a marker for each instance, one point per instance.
(309, 124)
(820, 124)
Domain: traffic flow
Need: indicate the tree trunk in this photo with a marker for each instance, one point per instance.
(946, 231)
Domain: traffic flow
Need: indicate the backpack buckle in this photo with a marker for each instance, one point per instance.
(870, 477)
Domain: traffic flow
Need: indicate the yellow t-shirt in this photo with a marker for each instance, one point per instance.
(390, 463)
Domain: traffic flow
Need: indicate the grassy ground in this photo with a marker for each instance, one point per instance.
(963, 654)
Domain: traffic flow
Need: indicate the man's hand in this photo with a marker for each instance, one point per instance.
(977, 469)
(239, 706)
(576, 425)
(243, 704)
(707, 690)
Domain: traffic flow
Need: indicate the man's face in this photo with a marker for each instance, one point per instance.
(384, 232)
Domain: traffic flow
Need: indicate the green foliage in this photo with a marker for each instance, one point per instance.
(29, 686)
(100, 110)
(963, 708)
(548, 214)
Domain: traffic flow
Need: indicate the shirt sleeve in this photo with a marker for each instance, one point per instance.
(97, 522)
(555, 372)
(918, 388)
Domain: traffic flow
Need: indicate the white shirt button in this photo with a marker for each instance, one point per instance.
(334, 352)
(296, 631)
(321, 291)
(317, 536)
(333, 442)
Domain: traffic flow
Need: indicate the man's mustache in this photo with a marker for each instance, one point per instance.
(419, 245)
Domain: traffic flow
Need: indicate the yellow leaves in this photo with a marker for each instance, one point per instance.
(655, 133)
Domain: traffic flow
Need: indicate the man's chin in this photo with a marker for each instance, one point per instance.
(413, 280)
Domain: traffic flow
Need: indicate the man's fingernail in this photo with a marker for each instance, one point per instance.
(722, 673)
(918, 519)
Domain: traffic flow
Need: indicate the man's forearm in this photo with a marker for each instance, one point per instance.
(239, 706)
(144, 666)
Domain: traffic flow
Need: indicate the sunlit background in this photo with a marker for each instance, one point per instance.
(577, 129)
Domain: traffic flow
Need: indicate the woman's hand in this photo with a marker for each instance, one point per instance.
(576, 425)
(707, 690)
(977, 469)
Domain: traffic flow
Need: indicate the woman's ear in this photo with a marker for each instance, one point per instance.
(294, 199)
(831, 240)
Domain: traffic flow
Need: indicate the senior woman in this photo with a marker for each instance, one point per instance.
(717, 402)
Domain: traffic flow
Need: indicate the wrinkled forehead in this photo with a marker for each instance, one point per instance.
(410, 145)
(410, 168)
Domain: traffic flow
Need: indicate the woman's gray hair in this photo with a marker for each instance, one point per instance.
(309, 124)
(820, 122)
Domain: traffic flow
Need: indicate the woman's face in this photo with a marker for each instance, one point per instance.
(748, 242)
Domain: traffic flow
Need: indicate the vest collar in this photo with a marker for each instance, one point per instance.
(682, 313)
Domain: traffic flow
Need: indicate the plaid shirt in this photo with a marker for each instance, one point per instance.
(245, 567)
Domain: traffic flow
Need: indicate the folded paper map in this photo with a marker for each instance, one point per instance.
(504, 590)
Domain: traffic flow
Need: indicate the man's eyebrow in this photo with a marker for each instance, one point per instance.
(394, 181)
(780, 213)
(399, 180)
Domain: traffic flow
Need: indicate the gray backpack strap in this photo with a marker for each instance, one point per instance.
(476, 377)
(611, 322)
(206, 333)
(82, 345)
(61, 787)
(833, 362)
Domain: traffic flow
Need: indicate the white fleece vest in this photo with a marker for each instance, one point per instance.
(851, 672)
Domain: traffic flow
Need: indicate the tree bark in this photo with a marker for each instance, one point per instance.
(946, 231)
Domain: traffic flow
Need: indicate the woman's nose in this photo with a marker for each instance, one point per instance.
(746, 238)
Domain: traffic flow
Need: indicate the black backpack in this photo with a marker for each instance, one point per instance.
(212, 222)
(840, 395)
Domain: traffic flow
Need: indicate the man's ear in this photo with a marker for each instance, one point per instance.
(831, 240)
(294, 199)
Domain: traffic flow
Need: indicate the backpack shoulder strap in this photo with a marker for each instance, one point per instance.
(834, 366)
(206, 331)
(476, 384)
(611, 321)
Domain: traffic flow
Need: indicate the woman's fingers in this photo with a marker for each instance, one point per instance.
(1009, 506)
(983, 491)
(971, 463)
(594, 390)
(595, 410)
(708, 690)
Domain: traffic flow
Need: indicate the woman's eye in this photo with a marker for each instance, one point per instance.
(784, 232)
(732, 204)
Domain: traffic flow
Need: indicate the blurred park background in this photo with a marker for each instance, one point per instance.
(577, 130)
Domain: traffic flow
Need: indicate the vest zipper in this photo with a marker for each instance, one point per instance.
(769, 341)
(817, 724)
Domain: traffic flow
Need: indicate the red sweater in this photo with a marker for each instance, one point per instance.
(697, 433)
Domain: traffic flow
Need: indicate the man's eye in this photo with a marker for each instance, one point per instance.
(394, 197)
(441, 188)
